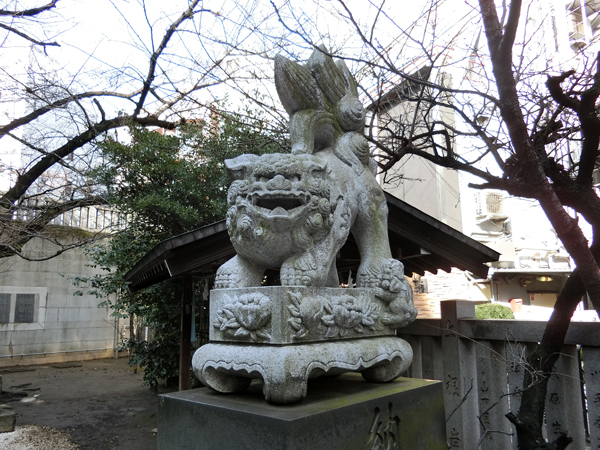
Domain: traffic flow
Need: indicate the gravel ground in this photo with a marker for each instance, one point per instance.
(34, 437)
(98, 404)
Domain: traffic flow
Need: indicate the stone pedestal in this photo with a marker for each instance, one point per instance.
(342, 413)
(285, 370)
(286, 335)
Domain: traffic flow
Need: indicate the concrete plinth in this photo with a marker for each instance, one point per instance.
(344, 413)
(7, 420)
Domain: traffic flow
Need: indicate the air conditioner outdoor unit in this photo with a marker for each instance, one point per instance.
(489, 205)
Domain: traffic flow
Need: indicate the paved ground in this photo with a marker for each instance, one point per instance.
(101, 404)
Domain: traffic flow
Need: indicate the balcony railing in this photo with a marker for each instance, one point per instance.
(93, 218)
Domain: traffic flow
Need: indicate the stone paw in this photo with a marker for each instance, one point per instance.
(391, 277)
(238, 272)
(399, 320)
(295, 278)
(224, 280)
(385, 295)
(301, 272)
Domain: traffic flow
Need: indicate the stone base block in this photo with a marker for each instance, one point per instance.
(285, 370)
(293, 315)
(7, 420)
(339, 413)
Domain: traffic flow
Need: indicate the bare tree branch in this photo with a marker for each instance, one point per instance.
(59, 104)
(29, 38)
(25, 180)
(29, 12)
(187, 14)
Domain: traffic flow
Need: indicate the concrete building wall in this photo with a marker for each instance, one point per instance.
(420, 183)
(40, 317)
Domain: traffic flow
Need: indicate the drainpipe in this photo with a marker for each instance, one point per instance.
(116, 342)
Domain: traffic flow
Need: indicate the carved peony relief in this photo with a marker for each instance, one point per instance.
(339, 317)
(246, 317)
(306, 314)
(348, 314)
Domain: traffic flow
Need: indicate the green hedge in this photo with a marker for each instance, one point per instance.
(493, 311)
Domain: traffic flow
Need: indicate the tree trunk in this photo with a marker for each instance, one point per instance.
(530, 418)
(500, 46)
(586, 277)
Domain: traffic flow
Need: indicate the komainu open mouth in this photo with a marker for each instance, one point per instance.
(278, 205)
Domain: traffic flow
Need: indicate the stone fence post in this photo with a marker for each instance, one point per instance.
(481, 364)
(460, 377)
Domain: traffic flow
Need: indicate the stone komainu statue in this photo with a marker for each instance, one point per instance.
(294, 212)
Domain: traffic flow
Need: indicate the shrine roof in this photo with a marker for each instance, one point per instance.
(421, 242)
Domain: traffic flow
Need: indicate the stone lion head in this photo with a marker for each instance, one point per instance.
(278, 205)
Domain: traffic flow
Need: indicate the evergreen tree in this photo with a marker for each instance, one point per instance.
(165, 185)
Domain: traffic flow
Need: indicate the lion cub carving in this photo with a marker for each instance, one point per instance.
(295, 211)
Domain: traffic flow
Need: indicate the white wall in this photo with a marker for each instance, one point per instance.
(420, 183)
(63, 322)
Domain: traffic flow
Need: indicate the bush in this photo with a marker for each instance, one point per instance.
(493, 311)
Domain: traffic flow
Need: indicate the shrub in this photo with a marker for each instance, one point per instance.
(493, 311)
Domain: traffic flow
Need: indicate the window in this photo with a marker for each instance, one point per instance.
(22, 306)
(4, 308)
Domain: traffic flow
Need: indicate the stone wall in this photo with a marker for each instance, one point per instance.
(481, 361)
(41, 320)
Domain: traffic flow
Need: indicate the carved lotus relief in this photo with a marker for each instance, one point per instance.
(245, 317)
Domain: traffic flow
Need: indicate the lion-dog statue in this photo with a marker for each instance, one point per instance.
(295, 211)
